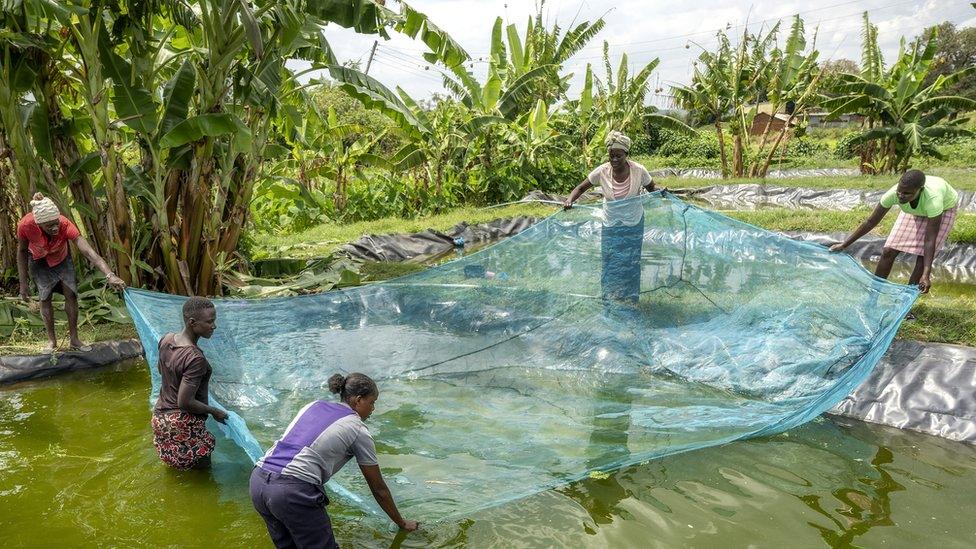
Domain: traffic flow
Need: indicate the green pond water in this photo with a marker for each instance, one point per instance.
(77, 468)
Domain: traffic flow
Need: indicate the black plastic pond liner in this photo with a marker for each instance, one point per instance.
(705, 173)
(20, 368)
(959, 260)
(924, 387)
(404, 247)
(753, 196)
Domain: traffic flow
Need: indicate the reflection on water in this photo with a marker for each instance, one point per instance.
(861, 509)
(77, 468)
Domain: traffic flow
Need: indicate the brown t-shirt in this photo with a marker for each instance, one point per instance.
(180, 364)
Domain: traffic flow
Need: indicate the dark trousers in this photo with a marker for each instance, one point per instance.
(621, 250)
(293, 510)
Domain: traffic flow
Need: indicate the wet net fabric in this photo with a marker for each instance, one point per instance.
(540, 360)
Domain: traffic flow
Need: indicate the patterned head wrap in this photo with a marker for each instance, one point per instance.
(44, 209)
(617, 140)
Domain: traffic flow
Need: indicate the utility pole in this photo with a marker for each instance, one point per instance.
(372, 52)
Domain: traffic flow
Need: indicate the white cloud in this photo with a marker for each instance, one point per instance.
(644, 30)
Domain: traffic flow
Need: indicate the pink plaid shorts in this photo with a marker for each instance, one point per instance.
(908, 234)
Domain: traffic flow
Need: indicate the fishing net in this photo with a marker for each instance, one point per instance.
(571, 348)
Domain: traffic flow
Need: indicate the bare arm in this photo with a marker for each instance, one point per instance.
(383, 496)
(187, 401)
(86, 250)
(577, 192)
(22, 252)
(871, 222)
(931, 235)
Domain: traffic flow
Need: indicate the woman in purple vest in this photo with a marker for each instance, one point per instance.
(287, 483)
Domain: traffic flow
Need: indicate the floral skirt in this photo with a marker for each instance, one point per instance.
(181, 439)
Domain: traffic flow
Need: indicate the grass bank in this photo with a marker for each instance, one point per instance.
(960, 179)
(31, 340)
(324, 239)
(947, 314)
(777, 219)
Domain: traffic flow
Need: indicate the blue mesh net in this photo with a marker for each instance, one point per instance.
(575, 346)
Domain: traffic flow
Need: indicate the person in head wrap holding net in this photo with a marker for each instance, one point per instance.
(620, 181)
(43, 236)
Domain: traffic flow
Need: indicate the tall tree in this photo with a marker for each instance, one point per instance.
(956, 50)
(905, 115)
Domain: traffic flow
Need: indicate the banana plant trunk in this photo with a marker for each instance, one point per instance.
(8, 221)
(196, 207)
(772, 152)
(737, 167)
(721, 149)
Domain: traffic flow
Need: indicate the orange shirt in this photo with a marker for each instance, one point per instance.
(52, 249)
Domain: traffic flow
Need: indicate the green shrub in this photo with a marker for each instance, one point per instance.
(641, 144)
(285, 205)
(806, 147)
(845, 148)
(559, 175)
(674, 144)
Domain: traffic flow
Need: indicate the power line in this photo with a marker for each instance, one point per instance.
(398, 60)
(407, 69)
(846, 37)
(715, 30)
(816, 23)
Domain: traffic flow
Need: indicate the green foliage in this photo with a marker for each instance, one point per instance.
(803, 146)
(97, 305)
(678, 145)
(956, 50)
(286, 205)
(321, 275)
(349, 111)
(905, 115)
(848, 146)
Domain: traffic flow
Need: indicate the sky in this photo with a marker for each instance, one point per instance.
(643, 29)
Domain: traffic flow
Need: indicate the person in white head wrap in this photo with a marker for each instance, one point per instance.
(617, 140)
(620, 181)
(43, 236)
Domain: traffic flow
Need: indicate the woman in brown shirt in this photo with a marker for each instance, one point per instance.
(179, 418)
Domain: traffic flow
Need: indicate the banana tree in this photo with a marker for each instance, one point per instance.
(619, 102)
(793, 81)
(532, 142)
(726, 86)
(906, 116)
(544, 46)
(706, 98)
(433, 139)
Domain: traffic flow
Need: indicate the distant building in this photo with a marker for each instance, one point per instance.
(776, 123)
(818, 119)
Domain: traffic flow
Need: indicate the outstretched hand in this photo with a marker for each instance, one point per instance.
(568, 204)
(410, 525)
(219, 415)
(115, 282)
(840, 247)
(924, 284)
(31, 304)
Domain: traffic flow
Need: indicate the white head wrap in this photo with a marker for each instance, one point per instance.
(617, 140)
(44, 209)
